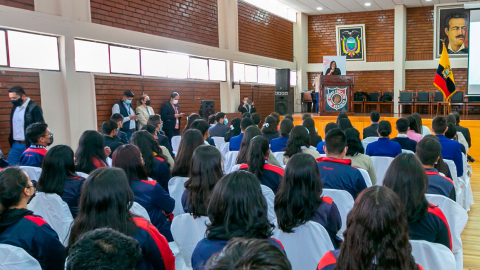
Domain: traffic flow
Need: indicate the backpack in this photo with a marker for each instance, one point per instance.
(386, 98)
(358, 96)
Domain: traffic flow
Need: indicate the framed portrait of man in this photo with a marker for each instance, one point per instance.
(351, 41)
(451, 25)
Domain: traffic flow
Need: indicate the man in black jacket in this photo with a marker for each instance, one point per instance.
(464, 131)
(220, 128)
(109, 132)
(371, 131)
(246, 106)
(24, 113)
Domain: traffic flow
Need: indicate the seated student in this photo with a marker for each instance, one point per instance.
(220, 128)
(148, 193)
(305, 116)
(429, 151)
(277, 117)
(340, 117)
(299, 142)
(250, 133)
(336, 171)
(105, 203)
(402, 138)
(244, 253)
(155, 161)
(192, 117)
(463, 130)
(450, 149)
(237, 209)
(290, 117)
(121, 136)
(59, 177)
(406, 177)
(279, 144)
(424, 130)
(156, 121)
(3, 161)
(376, 236)
(151, 129)
(413, 132)
(301, 188)
(256, 119)
(202, 126)
(205, 171)
(191, 139)
(19, 227)
(91, 154)
(451, 134)
(458, 136)
(237, 140)
(104, 249)
(355, 153)
(109, 131)
(258, 152)
(309, 124)
(234, 129)
(344, 123)
(212, 121)
(371, 131)
(384, 147)
(269, 128)
(40, 137)
(328, 127)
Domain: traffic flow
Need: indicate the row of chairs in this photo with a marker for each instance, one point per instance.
(374, 99)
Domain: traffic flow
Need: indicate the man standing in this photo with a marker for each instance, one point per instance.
(456, 29)
(247, 106)
(371, 131)
(124, 107)
(24, 113)
(219, 129)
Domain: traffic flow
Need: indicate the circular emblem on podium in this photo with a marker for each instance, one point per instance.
(336, 97)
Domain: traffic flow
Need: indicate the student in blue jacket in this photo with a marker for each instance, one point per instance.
(279, 144)
(105, 203)
(148, 193)
(40, 137)
(450, 148)
(19, 227)
(237, 140)
(320, 145)
(237, 209)
(384, 147)
(59, 177)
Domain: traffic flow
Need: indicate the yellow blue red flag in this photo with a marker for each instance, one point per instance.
(444, 78)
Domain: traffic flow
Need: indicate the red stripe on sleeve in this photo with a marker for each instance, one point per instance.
(98, 163)
(280, 243)
(161, 159)
(243, 166)
(327, 199)
(437, 212)
(37, 220)
(150, 182)
(41, 151)
(435, 173)
(272, 168)
(420, 267)
(327, 259)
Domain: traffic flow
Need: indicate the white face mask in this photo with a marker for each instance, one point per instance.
(175, 101)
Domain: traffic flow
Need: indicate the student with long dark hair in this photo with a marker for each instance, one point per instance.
(299, 199)
(191, 139)
(406, 177)
(341, 116)
(269, 128)
(299, 142)
(309, 124)
(205, 171)
(249, 134)
(384, 147)
(279, 144)
(105, 202)
(192, 117)
(19, 227)
(424, 129)
(414, 133)
(344, 123)
(91, 154)
(237, 209)
(156, 121)
(165, 152)
(148, 193)
(59, 177)
(235, 129)
(355, 153)
(155, 161)
(376, 236)
(257, 163)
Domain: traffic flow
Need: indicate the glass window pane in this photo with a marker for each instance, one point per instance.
(154, 63)
(263, 75)
(91, 56)
(198, 68)
(124, 60)
(272, 79)
(251, 74)
(218, 70)
(3, 49)
(238, 72)
(33, 51)
(177, 65)
(293, 78)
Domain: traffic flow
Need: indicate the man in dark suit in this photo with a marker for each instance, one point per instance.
(246, 106)
(24, 113)
(121, 136)
(371, 131)
(219, 129)
(464, 131)
(109, 131)
(402, 139)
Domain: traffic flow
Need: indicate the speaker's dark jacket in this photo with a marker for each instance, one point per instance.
(466, 134)
(33, 114)
(218, 130)
(167, 112)
(370, 131)
(244, 110)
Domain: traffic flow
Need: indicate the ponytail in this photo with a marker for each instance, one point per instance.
(257, 154)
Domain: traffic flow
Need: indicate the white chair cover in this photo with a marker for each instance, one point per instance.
(230, 161)
(176, 143)
(109, 162)
(381, 164)
(187, 242)
(432, 256)
(15, 258)
(468, 194)
(33, 172)
(459, 185)
(224, 149)
(55, 212)
(81, 174)
(366, 176)
(219, 142)
(323, 155)
(270, 198)
(176, 188)
(306, 245)
(235, 168)
(140, 211)
(405, 151)
(425, 131)
(368, 140)
(279, 157)
(179, 263)
(457, 218)
(344, 202)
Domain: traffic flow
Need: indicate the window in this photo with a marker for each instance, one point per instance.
(218, 70)
(276, 7)
(272, 76)
(177, 65)
(293, 78)
(32, 51)
(124, 60)
(91, 56)
(154, 63)
(238, 72)
(251, 74)
(3, 50)
(263, 75)
(198, 68)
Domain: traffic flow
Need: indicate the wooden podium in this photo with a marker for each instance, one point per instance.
(336, 95)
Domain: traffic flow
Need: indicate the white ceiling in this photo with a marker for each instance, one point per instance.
(344, 6)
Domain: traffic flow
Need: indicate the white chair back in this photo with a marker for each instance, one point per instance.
(405, 151)
(224, 149)
(344, 202)
(81, 174)
(230, 161)
(366, 176)
(306, 245)
(109, 162)
(33, 172)
(459, 187)
(15, 258)
(279, 157)
(425, 131)
(368, 140)
(176, 143)
(176, 187)
(187, 242)
(432, 256)
(270, 198)
(139, 210)
(179, 262)
(323, 155)
(219, 142)
(381, 164)
(465, 179)
(235, 168)
(55, 212)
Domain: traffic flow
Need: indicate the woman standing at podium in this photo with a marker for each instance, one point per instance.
(333, 70)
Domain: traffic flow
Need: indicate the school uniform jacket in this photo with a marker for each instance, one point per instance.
(38, 239)
(451, 150)
(329, 217)
(270, 136)
(71, 193)
(370, 131)
(432, 227)
(320, 148)
(162, 172)
(218, 130)
(235, 142)
(339, 174)
(406, 143)
(271, 176)
(151, 195)
(383, 148)
(279, 144)
(440, 185)
(33, 156)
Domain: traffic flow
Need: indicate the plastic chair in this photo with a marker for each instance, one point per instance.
(15, 258)
(81, 174)
(344, 202)
(140, 211)
(230, 161)
(306, 245)
(368, 140)
(176, 143)
(459, 186)
(219, 142)
(235, 168)
(33, 172)
(187, 242)
(381, 164)
(279, 157)
(179, 262)
(55, 212)
(176, 187)
(224, 149)
(366, 176)
(405, 151)
(465, 179)
(426, 131)
(270, 198)
(432, 256)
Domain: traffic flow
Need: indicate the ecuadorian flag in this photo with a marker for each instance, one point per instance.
(444, 78)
